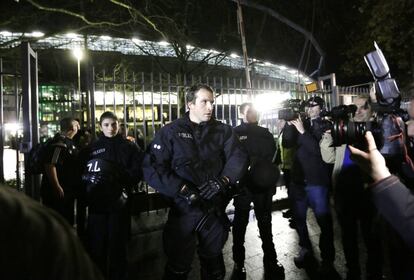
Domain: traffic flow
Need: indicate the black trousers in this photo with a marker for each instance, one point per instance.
(64, 206)
(181, 239)
(263, 210)
(107, 239)
(354, 210)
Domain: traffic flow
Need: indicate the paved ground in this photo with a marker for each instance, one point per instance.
(147, 259)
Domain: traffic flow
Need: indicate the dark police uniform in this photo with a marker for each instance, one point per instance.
(259, 143)
(62, 153)
(187, 153)
(112, 165)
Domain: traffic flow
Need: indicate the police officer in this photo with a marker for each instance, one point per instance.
(260, 182)
(62, 173)
(113, 165)
(193, 161)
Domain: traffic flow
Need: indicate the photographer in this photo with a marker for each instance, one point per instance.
(310, 182)
(352, 202)
(392, 199)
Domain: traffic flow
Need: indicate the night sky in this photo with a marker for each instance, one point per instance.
(345, 30)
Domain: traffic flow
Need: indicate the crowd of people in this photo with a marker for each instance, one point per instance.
(199, 165)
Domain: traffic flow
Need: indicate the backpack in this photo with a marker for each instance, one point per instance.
(37, 156)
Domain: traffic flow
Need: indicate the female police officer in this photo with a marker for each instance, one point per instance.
(112, 165)
(192, 161)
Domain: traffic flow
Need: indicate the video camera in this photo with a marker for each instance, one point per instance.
(385, 126)
(292, 109)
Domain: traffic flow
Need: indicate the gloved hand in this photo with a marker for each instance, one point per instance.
(189, 194)
(93, 178)
(213, 187)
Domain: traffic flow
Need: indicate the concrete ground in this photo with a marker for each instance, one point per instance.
(147, 260)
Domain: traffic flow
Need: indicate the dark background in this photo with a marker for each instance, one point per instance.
(345, 29)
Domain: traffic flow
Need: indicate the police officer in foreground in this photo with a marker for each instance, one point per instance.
(193, 161)
(113, 166)
(260, 184)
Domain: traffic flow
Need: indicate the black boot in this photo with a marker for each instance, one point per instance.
(273, 270)
(169, 274)
(239, 272)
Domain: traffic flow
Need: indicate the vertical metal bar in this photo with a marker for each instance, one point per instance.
(17, 100)
(134, 106)
(177, 88)
(235, 102)
(113, 84)
(91, 85)
(152, 104)
(215, 102)
(104, 89)
(161, 102)
(124, 98)
(144, 120)
(222, 99)
(1, 124)
(169, 98)
(241, 91)
(185, 88)
(229, 101)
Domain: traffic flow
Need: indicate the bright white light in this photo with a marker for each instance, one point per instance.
(294, 72)
(233, 55)
(77, 53)
(213, 51)
(136, 41)
(5, 33)
(267, 63)
(105, 37)
(13, 127)
(38, 34)
(189, 47)
(163, 43)
(282, 67)
(270, 100)
(72, 35)
(35, 34)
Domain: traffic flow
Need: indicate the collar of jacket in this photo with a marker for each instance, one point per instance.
(201, 125)
(110, 139)
(249, 124)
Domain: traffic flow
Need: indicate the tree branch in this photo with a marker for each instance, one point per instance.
(73, 14)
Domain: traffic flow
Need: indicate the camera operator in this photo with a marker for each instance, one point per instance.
(392, 199)
(352, 202)
(310, 187)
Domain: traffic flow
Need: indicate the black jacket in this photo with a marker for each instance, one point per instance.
(261, 148)
(185, 152)
(396, 203)
(257, 140)
(308, 167)
(121, 160)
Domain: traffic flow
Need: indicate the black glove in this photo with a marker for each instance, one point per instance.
(213, 187)
(189, 194)
(93, 178)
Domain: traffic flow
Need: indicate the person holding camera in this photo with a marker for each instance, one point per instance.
(392, 198)
(310, 187)
(193, 162)
(259, 187)
(352, 202)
